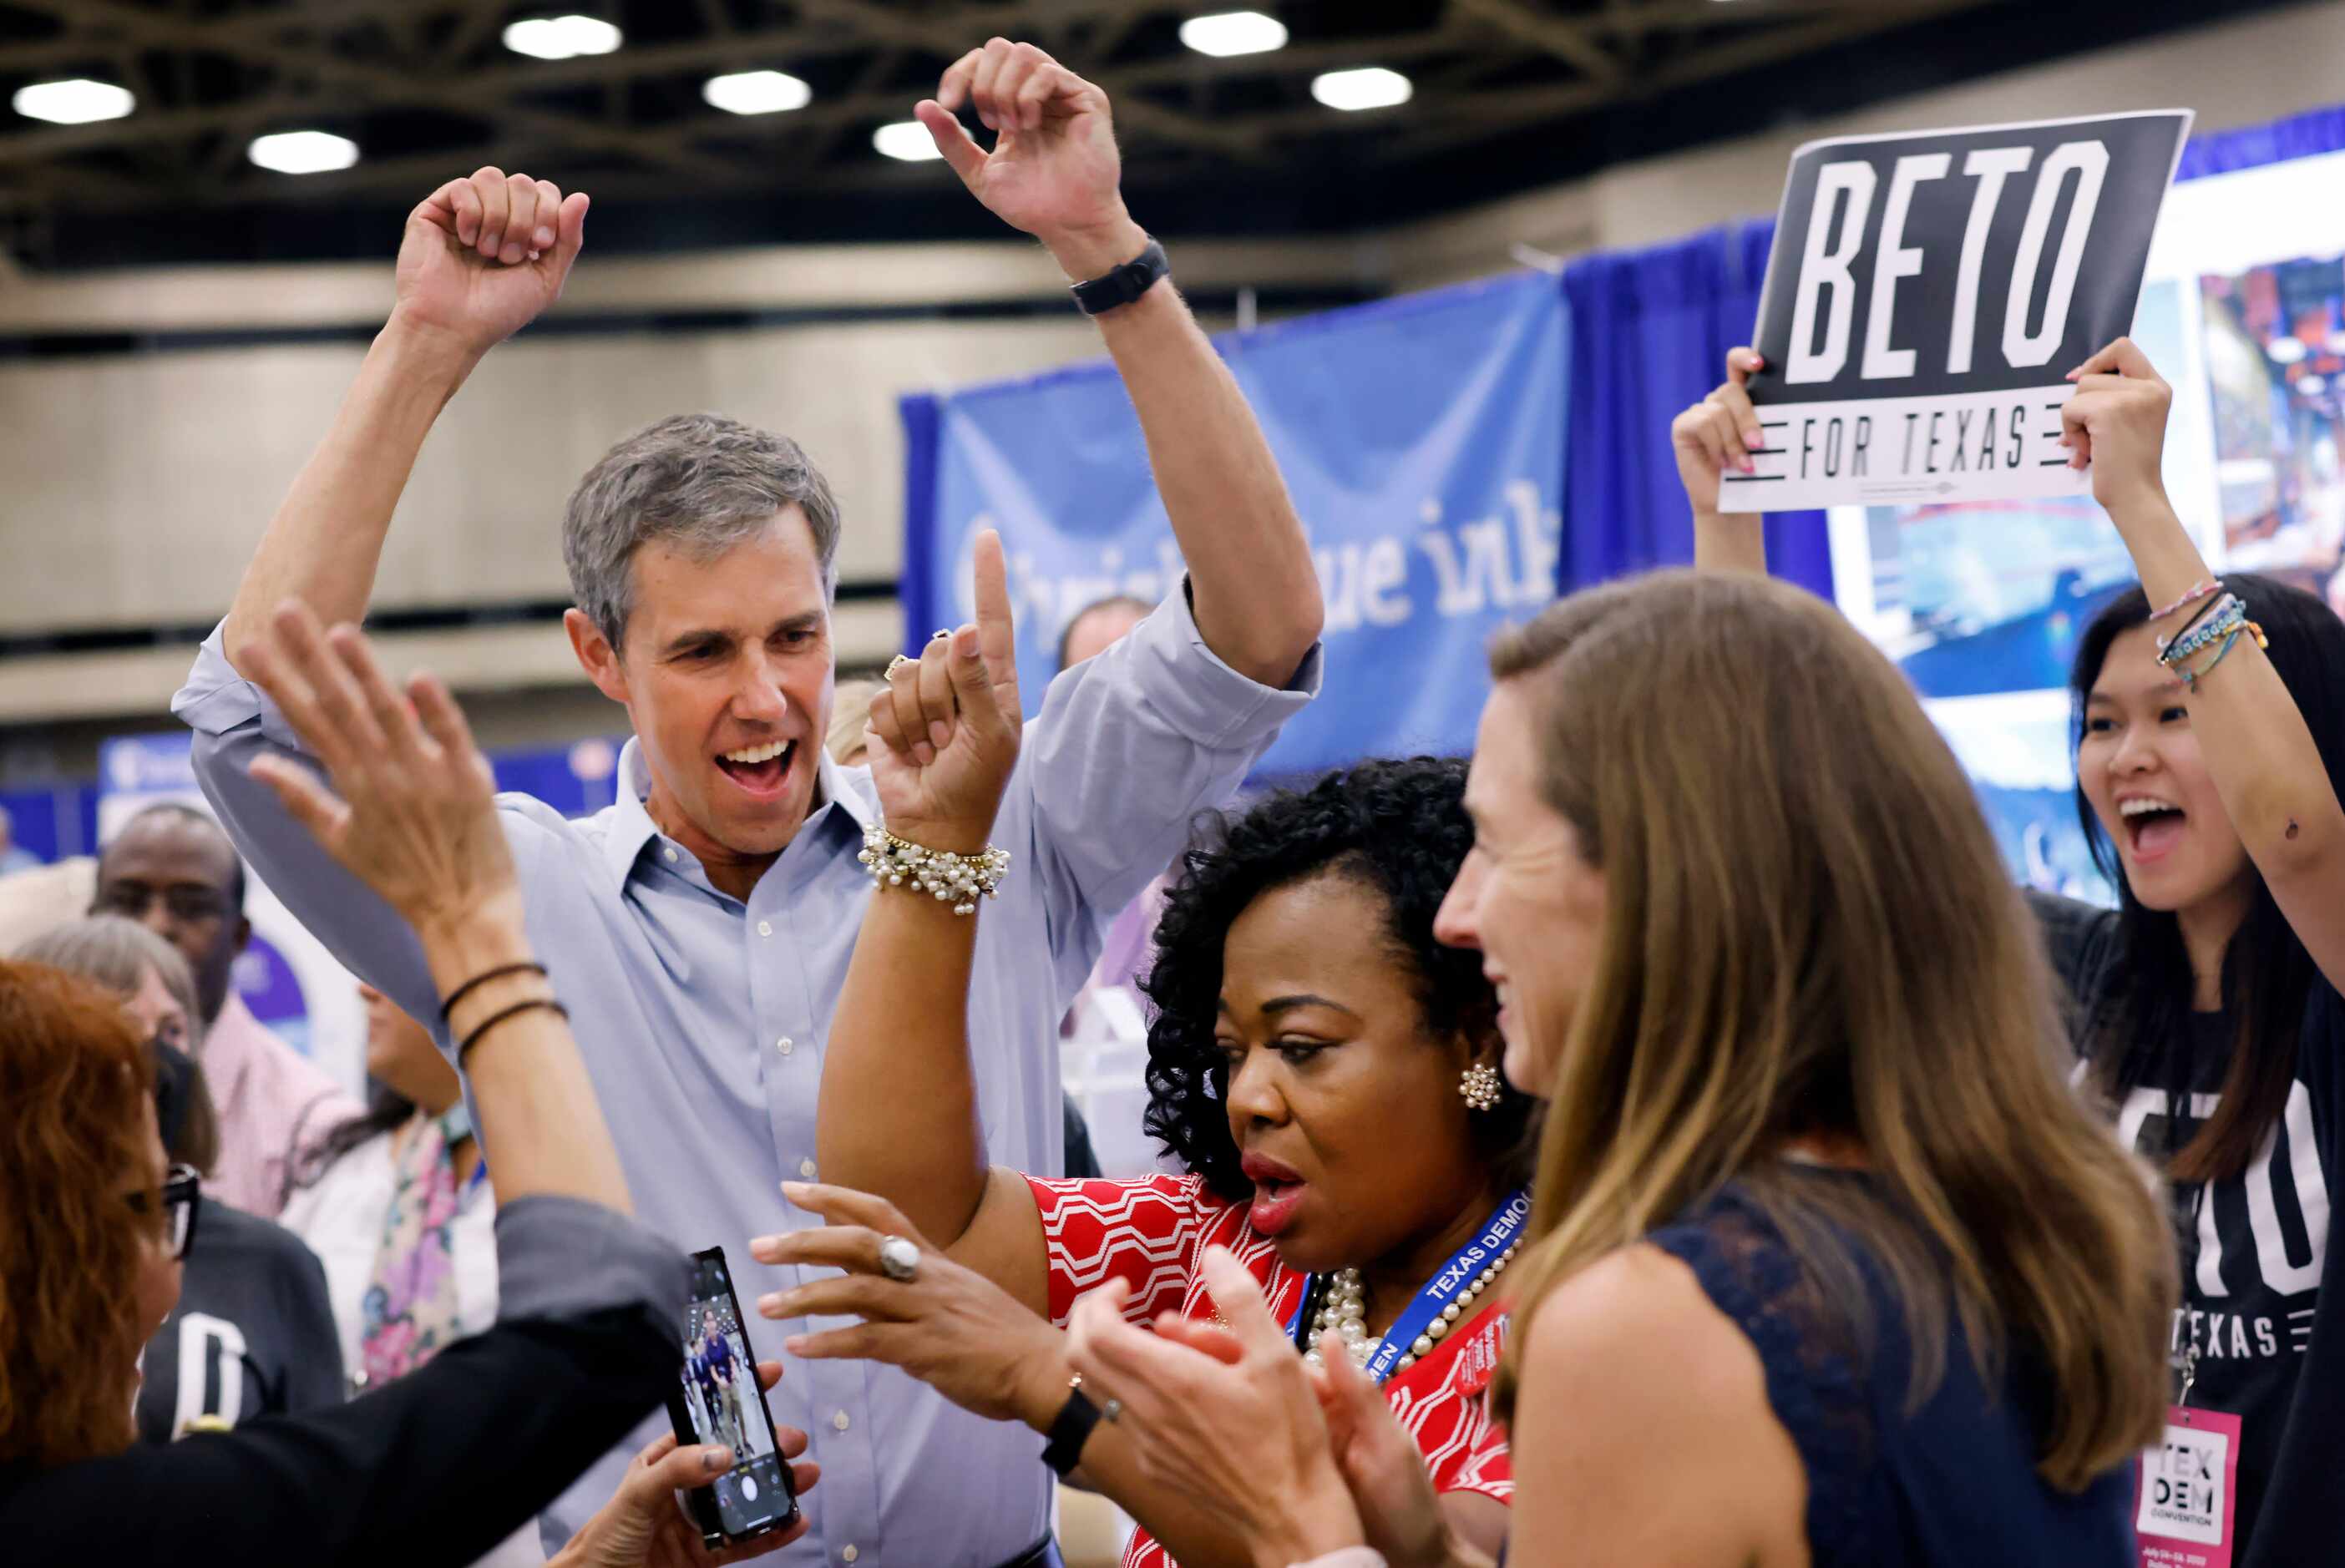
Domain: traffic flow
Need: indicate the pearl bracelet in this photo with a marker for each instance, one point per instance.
(962, 879)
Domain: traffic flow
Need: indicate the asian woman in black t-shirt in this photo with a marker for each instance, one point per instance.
(2207, 1007)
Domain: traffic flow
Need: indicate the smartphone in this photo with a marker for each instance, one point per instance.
(717, 1400)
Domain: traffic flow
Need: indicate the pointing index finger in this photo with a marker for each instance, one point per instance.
(997, 633)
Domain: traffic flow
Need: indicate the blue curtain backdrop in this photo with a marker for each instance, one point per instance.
(1649, 332)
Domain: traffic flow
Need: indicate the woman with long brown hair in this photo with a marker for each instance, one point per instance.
(2209, 734)
(1829, 1265)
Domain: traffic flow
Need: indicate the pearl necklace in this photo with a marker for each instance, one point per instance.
(1346, 1311)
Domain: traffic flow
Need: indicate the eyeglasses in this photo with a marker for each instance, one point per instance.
(182, 1185)
(188, 906)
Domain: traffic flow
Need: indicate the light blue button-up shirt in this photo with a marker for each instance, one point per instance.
(703, 1019)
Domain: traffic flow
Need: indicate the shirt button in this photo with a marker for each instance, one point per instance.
(786, 1045)
(839, 1420)
(670, 853)
(850, 1555)
(806, 1168)
(765, 928)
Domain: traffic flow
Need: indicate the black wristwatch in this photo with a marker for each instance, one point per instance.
(1071, 1431)
(1124, 284)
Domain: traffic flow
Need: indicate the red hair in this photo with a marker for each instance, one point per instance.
(74, 1081)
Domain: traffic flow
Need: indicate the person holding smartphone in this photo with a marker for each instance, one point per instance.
(438, 1467)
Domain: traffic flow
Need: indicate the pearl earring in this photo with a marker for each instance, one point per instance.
(1478, 1085)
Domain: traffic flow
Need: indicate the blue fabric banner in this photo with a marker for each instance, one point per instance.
(1422, 438)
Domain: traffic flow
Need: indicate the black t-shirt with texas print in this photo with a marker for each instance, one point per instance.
(2270, 1347)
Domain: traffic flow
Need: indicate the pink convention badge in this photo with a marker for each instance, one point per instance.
(2187, 1489)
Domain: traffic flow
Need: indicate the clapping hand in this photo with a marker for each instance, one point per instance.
(1054, 171)
(945, 732)
(412, 811)
(1226, 1415)
(483, 257)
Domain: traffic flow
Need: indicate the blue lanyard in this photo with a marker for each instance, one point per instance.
(1448, 1284)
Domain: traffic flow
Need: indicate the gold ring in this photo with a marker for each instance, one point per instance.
(897, 662)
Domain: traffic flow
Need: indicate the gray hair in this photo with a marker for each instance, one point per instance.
(117, 953)
(700, 481)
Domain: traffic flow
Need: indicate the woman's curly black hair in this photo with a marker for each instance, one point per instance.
(1398, 827)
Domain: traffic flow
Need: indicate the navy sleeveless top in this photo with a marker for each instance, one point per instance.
(1952, 1484)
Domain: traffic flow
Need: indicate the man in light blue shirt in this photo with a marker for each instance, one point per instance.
(699, 930)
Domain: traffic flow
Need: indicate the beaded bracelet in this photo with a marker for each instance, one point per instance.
(2190, 678)
(2228, 616)
(2205, 586)
(961, 879)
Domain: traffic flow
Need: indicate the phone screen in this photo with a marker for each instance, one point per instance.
(722, 1403)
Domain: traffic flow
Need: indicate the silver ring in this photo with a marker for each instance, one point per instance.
(1110, 1411)
(897, 662)
(940, 635)
(898, 1260)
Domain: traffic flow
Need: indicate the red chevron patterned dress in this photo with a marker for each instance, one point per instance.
(1152, 1233)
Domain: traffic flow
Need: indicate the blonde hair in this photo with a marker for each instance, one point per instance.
(1809, 932)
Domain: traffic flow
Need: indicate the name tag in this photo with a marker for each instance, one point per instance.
(2186, 1490)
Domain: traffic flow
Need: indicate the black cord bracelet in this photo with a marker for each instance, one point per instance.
(526, 967)
(494, 1019)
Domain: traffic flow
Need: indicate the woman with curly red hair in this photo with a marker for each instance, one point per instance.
(78, 1147)
(441, 1465)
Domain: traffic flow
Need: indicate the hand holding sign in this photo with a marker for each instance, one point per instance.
(2115, 424)
(1922, 294)
(1718, 433)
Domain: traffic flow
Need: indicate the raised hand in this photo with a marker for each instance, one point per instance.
(2116, 425)
(416, 817)
(483, 257)
(1054, 171)
(1718, 433)
(945, 733)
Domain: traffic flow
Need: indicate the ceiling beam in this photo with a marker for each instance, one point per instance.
(332, 73)
(1568, 40)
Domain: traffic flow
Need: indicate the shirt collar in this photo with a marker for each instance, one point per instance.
(632, 826)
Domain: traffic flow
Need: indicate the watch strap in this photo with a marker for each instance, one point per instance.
(1070, 1432)
(1122, 285)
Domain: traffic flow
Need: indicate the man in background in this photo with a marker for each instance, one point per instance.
(1099, 626)
(173, 870)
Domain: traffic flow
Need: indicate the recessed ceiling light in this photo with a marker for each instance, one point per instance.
(1229, 33)
(1365, 87)
(74, 102)
(905, 139)
(303, 152)
(561, 37)
(755, 92)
